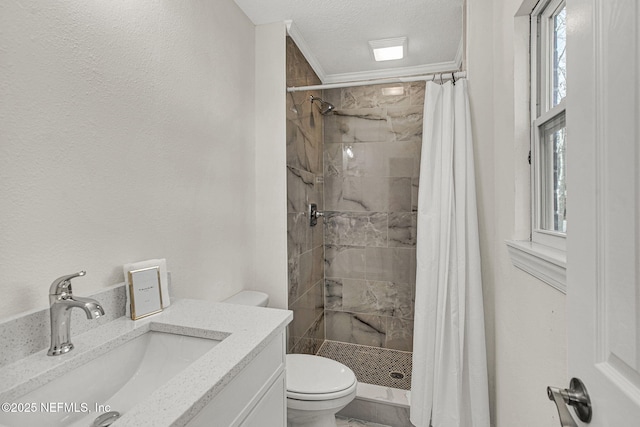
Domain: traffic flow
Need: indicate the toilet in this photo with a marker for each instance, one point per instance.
(317, 387)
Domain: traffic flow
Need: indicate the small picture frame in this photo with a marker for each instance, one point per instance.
(145, 292)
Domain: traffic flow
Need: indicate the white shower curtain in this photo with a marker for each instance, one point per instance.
(449, 384)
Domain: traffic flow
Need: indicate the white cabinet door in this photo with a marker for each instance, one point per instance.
(603, 245)
(272, 408)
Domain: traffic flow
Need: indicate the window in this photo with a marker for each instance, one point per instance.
(548, 127)
(540, 76)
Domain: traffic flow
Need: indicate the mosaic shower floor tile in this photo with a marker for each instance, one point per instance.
(372, 365)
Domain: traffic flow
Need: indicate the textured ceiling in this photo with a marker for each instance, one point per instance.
(334, 34)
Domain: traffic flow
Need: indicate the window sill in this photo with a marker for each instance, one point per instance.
(543, 262)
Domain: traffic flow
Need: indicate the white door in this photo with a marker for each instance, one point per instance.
(603, 246)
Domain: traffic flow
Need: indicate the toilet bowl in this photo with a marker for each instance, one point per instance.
(317, 387)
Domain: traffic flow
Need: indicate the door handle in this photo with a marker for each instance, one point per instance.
(576, 395)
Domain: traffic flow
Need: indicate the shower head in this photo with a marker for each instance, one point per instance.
(324, 106)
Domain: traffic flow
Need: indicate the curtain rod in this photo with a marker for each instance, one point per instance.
(435, 76)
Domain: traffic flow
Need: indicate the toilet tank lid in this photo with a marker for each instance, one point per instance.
(254, 298)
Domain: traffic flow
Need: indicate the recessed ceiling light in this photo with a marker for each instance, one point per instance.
(392, 91)
(388, 49)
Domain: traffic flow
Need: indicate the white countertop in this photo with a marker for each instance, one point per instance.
(244, 332)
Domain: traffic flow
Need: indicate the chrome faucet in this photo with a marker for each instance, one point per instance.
(61, 302)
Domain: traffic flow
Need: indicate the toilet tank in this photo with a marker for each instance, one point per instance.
(254, 298)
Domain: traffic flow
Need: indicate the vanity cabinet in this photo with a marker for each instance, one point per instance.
(256, 397)
(269, 409)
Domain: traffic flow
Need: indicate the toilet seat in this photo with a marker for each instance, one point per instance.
(322, 396)
(318, 378)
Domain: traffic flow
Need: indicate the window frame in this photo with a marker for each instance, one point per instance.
(542, 112)
(542, 262)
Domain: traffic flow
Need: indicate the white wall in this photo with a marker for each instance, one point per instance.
(526, 324)
(127, 134)
(271, 163)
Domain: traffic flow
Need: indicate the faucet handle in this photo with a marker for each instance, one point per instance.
(62, 285)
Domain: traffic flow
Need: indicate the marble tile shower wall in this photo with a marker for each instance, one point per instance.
(371, 167)
(304, 186)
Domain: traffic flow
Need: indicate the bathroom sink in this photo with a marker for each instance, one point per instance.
(114, 381)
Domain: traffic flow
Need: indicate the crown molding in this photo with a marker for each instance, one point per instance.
(441, 67)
